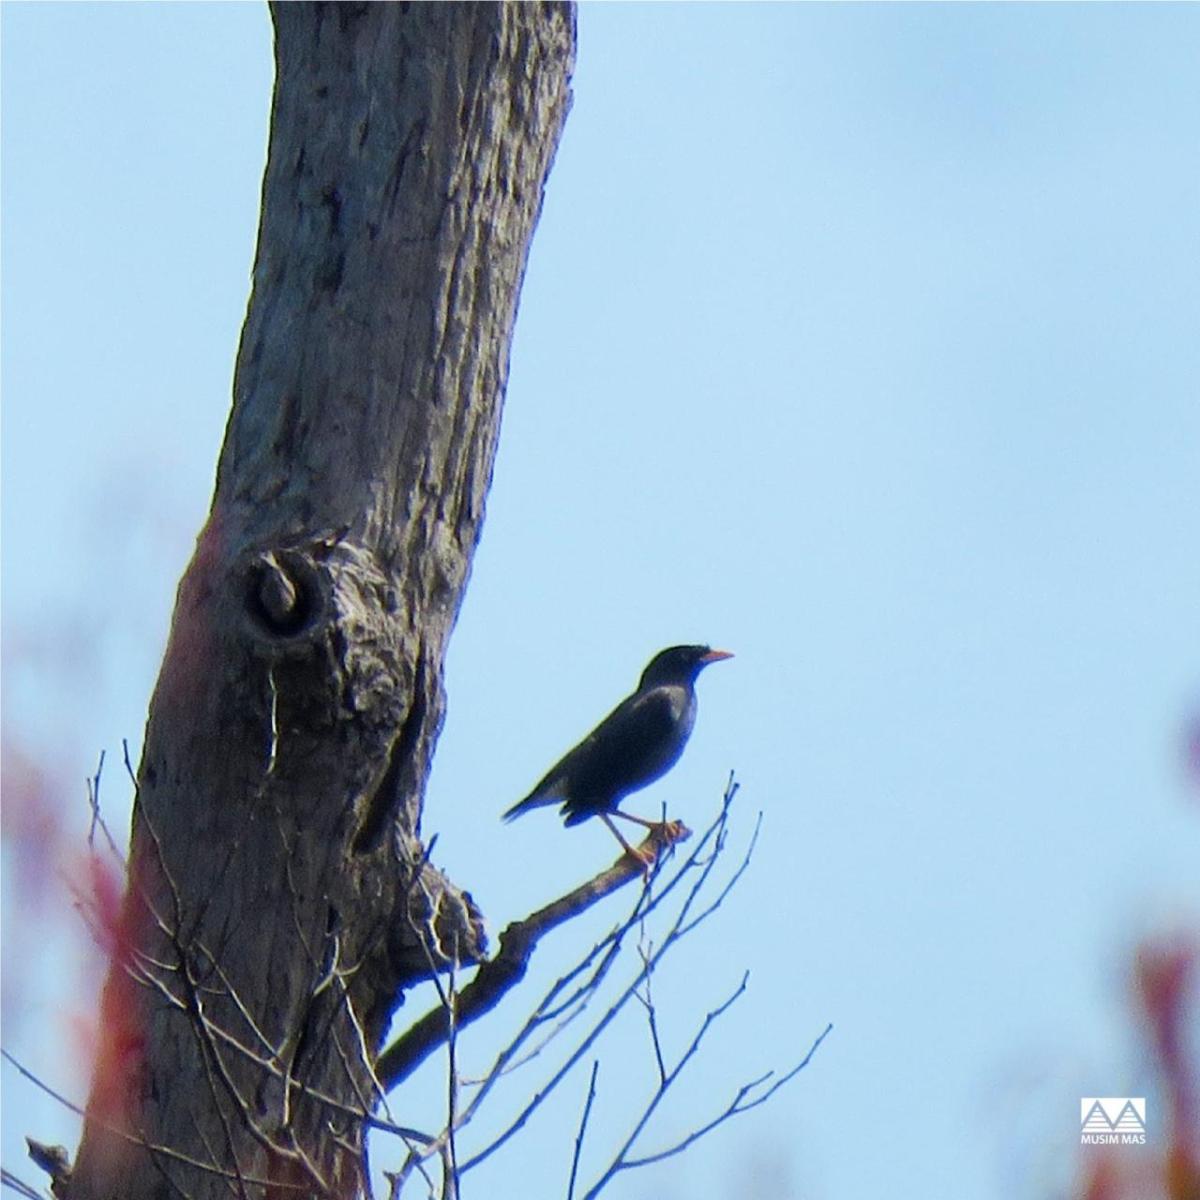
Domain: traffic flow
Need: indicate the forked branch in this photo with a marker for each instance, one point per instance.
(691, 884)
(517, 944)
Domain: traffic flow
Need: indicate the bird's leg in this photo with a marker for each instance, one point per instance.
(663, 833)
(635, 854)
(639, 820)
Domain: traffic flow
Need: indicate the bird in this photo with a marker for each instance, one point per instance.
(637, 743)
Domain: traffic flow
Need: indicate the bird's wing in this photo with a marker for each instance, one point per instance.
(631, 747)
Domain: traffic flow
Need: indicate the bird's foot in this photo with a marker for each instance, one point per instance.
(662, 836)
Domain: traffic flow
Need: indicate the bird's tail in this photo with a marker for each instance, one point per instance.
(532, 801)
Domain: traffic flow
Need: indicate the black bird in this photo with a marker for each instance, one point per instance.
(639, 741)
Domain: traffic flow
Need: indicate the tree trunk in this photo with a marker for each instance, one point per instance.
(279, 899)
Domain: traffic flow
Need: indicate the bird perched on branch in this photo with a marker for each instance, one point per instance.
(638, 742)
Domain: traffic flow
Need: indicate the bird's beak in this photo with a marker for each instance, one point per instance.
(715, 656)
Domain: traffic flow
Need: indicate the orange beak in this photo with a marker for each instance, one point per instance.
(715, 656)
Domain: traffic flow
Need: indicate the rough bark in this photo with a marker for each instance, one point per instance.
(280, 901)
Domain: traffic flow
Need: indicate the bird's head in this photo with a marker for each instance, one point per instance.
(679, 664)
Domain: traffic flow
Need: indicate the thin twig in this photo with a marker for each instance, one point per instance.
(498, 975)
(583, 1123)
(608, 948)
(619, 1160)
(731, 883)
(18, 1185)
(735, 1107)
(647, 1002)
(671, 939)
(573, 992)
(537, 1049)
(98, 822)
(145, 1143)
(452, 1089)
(45, 1087)
(551, 1005)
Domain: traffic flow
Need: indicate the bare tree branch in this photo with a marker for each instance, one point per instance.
(43, 1086)
(739, 1104)
(182, 987)
(647, 1002)
(97, 821)
(667, 1078)
(498, 975)
(714, 836)
(18, 1185)
(571, 993)
(555, 1002)
(583, 1123)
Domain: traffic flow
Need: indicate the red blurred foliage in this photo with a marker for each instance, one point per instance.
(34, 843)
(1191, 750)
(1164, 979)
(50, 886)
(115, 1044)
(103, 903)
(30, 823)
(1164, 974)
(1104, 1180)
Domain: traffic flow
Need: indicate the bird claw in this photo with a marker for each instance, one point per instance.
(674, 831)
(662, 836)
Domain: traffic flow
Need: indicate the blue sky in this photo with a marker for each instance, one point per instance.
(857, 339)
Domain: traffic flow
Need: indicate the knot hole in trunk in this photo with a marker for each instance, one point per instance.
(287, 597)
